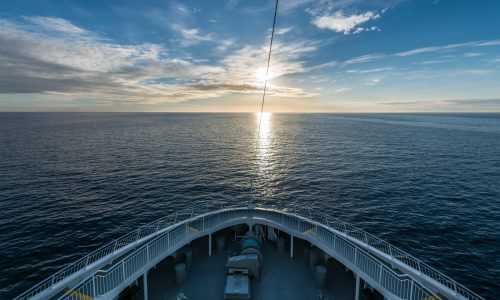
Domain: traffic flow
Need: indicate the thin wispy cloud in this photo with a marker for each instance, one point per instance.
(364, 58)
(424, 50)
(191, 36)
(448, 47)
(451, 102)
(341, 90)
(283, 30)
(55, 24)
(368, 71)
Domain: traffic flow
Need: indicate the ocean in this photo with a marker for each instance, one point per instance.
(427, 183)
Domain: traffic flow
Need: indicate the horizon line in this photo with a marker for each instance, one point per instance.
(273, 112)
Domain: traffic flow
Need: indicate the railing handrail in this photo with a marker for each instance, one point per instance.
(144, 234)
(139, 234)
(143, 251)
(375, 242)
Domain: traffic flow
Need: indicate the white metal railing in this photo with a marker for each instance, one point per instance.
(121, 244)
(135, 264)
(391, 251)
(345, 239)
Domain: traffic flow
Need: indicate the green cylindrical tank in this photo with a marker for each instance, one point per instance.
(249, 242)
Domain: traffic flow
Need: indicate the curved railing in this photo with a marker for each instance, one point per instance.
(391, 251)
(119, 245)
(107, 284)
(163, 233)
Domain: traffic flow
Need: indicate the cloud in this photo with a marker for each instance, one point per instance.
(224, 44)
(322, 66)
(341, 90)
(434, 62)
(448, 47)
(365, 58)
(473, 54)
(191, 36)
(444, 105)
(374, 81)
(477, 72)
(362, 29)
(432, 49)
(291, 4)
(471, 102)
(368, 71)
(56, 24)
(252, 88)
(241, 64)
(283, 30)
(53, 56)
(339, 22)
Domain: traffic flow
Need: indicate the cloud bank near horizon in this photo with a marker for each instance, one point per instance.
(328, 56)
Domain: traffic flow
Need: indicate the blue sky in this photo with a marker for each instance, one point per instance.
(340, 56)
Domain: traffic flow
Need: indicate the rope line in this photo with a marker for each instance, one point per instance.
(267, 69)
(265, 89)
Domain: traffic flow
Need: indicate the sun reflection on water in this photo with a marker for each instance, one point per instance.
(264, 153)
(264, 136)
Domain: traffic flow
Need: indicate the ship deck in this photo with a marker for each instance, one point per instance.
(282, 277)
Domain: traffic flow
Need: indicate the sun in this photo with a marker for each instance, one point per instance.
(260, 75)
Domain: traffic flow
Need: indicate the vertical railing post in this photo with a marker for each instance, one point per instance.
(145, 284)
(123, 270)
(210, 244)
(93, 287)
(356, 256)
(87, 260)
(392, 257)
(356, 293)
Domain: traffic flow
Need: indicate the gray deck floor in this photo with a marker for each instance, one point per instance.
(282, 277)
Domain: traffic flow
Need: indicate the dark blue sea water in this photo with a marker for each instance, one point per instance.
(428, 183)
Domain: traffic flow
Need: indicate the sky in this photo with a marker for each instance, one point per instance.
(210, 56)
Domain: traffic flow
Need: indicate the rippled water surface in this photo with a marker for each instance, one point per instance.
(430, 183)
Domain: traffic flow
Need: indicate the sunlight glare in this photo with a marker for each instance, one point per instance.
(260, 75)
(265, 133)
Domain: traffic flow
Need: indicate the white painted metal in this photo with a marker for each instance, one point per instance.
(210, 244)
(367, 256)
(356, 293)
(72, 274)
(145, 285)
